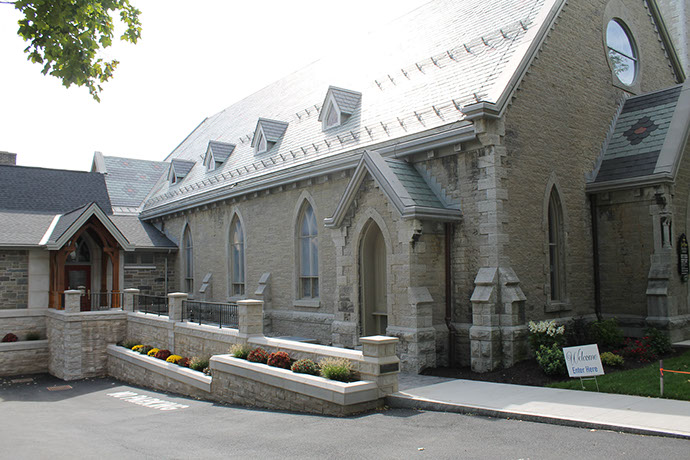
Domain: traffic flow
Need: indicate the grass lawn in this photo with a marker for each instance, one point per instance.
(641, 382)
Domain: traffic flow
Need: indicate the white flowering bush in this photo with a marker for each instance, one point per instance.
(546, 333)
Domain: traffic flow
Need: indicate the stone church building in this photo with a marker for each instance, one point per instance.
(469, 167)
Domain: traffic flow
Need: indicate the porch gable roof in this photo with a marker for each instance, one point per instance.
(404, 187)
(68, 224)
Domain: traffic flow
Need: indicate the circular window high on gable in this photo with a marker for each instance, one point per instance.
(621, 50)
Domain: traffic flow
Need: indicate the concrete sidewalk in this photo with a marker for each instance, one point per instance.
(631, 414)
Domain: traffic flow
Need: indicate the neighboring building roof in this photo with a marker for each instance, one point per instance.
(130, 180)
(221, 150)
(39, 190)
(647, 139)
(404, 186)
(416, 76)
(23, 229)
(142, 234)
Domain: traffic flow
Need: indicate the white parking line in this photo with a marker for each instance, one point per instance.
(146, 401)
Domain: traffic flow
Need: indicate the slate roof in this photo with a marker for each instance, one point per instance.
(142, 234)
(414, 76)
(39, 190)
(221, 150)
(414, 183)
(639, 136)
(129, 180)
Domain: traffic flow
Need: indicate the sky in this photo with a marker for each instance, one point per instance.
(194, 59)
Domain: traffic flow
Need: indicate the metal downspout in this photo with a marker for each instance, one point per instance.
(449, 295)
(595, 256)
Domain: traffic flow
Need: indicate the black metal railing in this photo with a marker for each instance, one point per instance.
(156, 305)
(212, 313)
(104, 300)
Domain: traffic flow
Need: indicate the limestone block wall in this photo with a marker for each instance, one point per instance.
(19, 358)
(14, 279)
(78, 342)
(681, 224)
(626, 244)
(21, 322)
(554, 131)
(153, 330)
(151, 280)
(269, 221)
(676, 15)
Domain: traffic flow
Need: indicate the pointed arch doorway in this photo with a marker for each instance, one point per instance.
(373, 281)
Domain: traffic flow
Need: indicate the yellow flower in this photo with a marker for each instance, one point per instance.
(153, 351)
(137, 347)
(174, 359)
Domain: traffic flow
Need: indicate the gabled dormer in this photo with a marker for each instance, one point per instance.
(179, 170)
(217, 153)
(338, 106)
(267, 134)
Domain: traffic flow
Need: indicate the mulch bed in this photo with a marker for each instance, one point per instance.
(525, 372)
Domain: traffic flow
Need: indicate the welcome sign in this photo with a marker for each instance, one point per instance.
(583, 361)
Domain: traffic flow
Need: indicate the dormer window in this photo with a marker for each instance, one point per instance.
(217, 153)
(267, 134)
(339, 105)
(179, 170)
(261, 146)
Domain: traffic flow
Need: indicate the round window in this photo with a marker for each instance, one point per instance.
(622, 53)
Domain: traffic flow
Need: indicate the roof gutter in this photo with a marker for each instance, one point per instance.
(342, 162)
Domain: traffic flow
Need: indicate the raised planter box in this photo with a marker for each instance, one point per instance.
(242, 382)
(132, 367)
(23, 357)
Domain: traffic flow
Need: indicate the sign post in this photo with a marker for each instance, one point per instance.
(584, 363)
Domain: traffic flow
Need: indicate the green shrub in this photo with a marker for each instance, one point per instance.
(240, 350)
(144, 350)
(606, 333)
(551, 360)
(659, 342)
(305, 366)
(198, 364)
(336, 369)
(258, 355)
(33, 335)
(611, 359)
(129, 343)
(577, 332)
(279, 359)
(545, 333)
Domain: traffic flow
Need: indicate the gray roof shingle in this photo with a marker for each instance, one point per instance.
(142, 234)
(415, 184)
(19, 228)
(182, 167)
(55, 191)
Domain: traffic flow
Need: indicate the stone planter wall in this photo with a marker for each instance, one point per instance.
(22, 321)
(78, 342)
(131, 367)
(238, 381)
(26, 357)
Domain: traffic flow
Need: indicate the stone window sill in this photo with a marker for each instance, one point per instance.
(140, 267)
(308, 303)
(554, 306)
